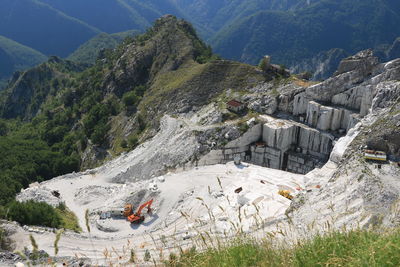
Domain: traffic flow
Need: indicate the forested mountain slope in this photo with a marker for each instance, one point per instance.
(302, 33)
(14, 57)
(89, 51)
(291, 31)
(42, 27)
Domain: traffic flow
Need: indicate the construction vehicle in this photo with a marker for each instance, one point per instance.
(375, 155)
(128, 210)
(286, 194)
(137, 217)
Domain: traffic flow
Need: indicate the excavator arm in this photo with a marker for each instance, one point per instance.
(148, 203)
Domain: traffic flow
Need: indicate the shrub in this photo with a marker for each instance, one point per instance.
(133, 141)
(141, 123)
(69, 219)
(3, 128)
(147, 256)
(99, 134)
(264, 64)
(124, 143)
(130, 99)
(33, 213)
(5, 242)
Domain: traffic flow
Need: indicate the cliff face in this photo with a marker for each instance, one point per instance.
(349, 94)
(321, 66)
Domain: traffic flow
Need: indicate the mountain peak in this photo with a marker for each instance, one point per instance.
(168, 45)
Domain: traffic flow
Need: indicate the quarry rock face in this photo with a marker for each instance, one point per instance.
(279, 144)
(279, 134)
(322, 113)
(340, 101)
(316, 116)
(327, 118)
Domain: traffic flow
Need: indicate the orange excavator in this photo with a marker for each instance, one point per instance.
(137, 217)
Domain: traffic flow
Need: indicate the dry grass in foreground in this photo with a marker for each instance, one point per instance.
(353, 248)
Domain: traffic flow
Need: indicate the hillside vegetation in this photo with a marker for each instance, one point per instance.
(353, 248)
(89, 51)
(303, 32)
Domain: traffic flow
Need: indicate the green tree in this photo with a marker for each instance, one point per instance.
(3, 128)
(133, 141)
(130, 99)
(33, 213)
(99, 134)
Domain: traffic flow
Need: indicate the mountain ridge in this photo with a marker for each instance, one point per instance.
(301, 29)
(16, 57)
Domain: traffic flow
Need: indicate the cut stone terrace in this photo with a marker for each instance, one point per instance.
(279, 144)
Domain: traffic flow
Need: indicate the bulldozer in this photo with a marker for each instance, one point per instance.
(137, 217)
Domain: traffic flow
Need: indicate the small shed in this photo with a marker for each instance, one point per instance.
(235, 106)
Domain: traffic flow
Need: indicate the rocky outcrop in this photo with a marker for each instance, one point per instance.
(352, 71)
(168, 45)
(363, 62)
(272, 70)
(265, 105)
(93, 155)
